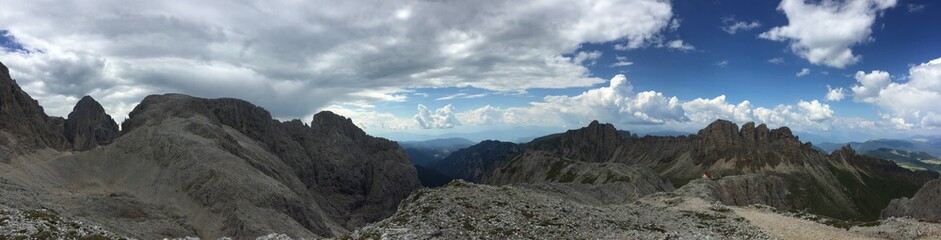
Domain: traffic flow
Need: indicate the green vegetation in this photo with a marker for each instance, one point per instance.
(589, 179)
(557, 168)
(568, 176)
(43, 215)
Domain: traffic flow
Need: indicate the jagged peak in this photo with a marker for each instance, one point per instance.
(845, 150)
(782, 133)
(720, 128)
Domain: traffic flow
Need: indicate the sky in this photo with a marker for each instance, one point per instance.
(831, 70)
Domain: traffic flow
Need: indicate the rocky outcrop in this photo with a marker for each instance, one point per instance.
(924, 205)
(89, 126)
(595, 143)
(586, 182)
(476, 162)
(743, 190)
(24, 126)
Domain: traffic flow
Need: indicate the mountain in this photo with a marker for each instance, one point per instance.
(928, 144)
(426, 152)
(24, 126)
(88, 126)
(908, 159)
(842, 184)
(924, 205)
(475, 162)
(187, 166)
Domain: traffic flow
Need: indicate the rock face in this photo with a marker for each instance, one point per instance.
(925, 205)
(475, 162)
(780, 170)
(742, 190)
(187, 166)
(586, 182)
(24, 126)
(88, 126)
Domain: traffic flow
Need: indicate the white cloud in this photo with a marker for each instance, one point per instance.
(707, 110)
(369, 119)
(732, 26)
(722, 64)
(907, 103)
(302, 56)
(824, 33)
(622, 61)
(582, 56)
(815, 111)
(870, 85)
(912, 8)
(440, 118)
(835, 94)
(777, 60)
(679, 44)
(803, 72)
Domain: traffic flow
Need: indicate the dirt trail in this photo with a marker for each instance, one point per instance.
(793, 228)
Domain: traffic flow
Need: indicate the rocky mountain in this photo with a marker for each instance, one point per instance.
(186, 166)
(924, 205)
(24, 126)
(431, 178)
(842, 184)
(88, 126)
(475, 162)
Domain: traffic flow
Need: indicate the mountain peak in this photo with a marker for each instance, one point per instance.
(720, 129)
(330, 120)
(89, 126)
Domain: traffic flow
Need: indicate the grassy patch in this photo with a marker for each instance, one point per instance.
(568, 176)
(588, 179)
(556, 169)
(42, 215)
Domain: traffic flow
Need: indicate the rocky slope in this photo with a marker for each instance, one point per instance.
(89, 126)
(475, 162)
(842, 184)
(924, 205)
(742, 190)
(598, 183)
(24, 126)
(186, 166)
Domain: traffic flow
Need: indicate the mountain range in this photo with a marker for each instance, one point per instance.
(187, 166)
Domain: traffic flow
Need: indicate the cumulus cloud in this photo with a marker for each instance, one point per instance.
(824, 32)
(732, 26)
(815, 111)
(835, 94)
(907, 103)
(297, 57)
(869, 85)
(440, 118)
(803, 72)
(706, 110)
(679, 44)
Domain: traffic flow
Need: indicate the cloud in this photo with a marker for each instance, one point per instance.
(803, 72)
(777, 60)
(824, 33)
(835, 94)
(722, 64)
(440, 118)
(303, 57)
(622, 61)
(679, 44)
(913, 8)
(582, 56)
(732, 26)
(706, 110)
(869, 85)
(815, 110)
(906, 103)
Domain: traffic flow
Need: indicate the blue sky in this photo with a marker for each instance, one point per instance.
(410, 70)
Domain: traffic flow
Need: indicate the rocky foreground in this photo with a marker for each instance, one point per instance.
(463, 210)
